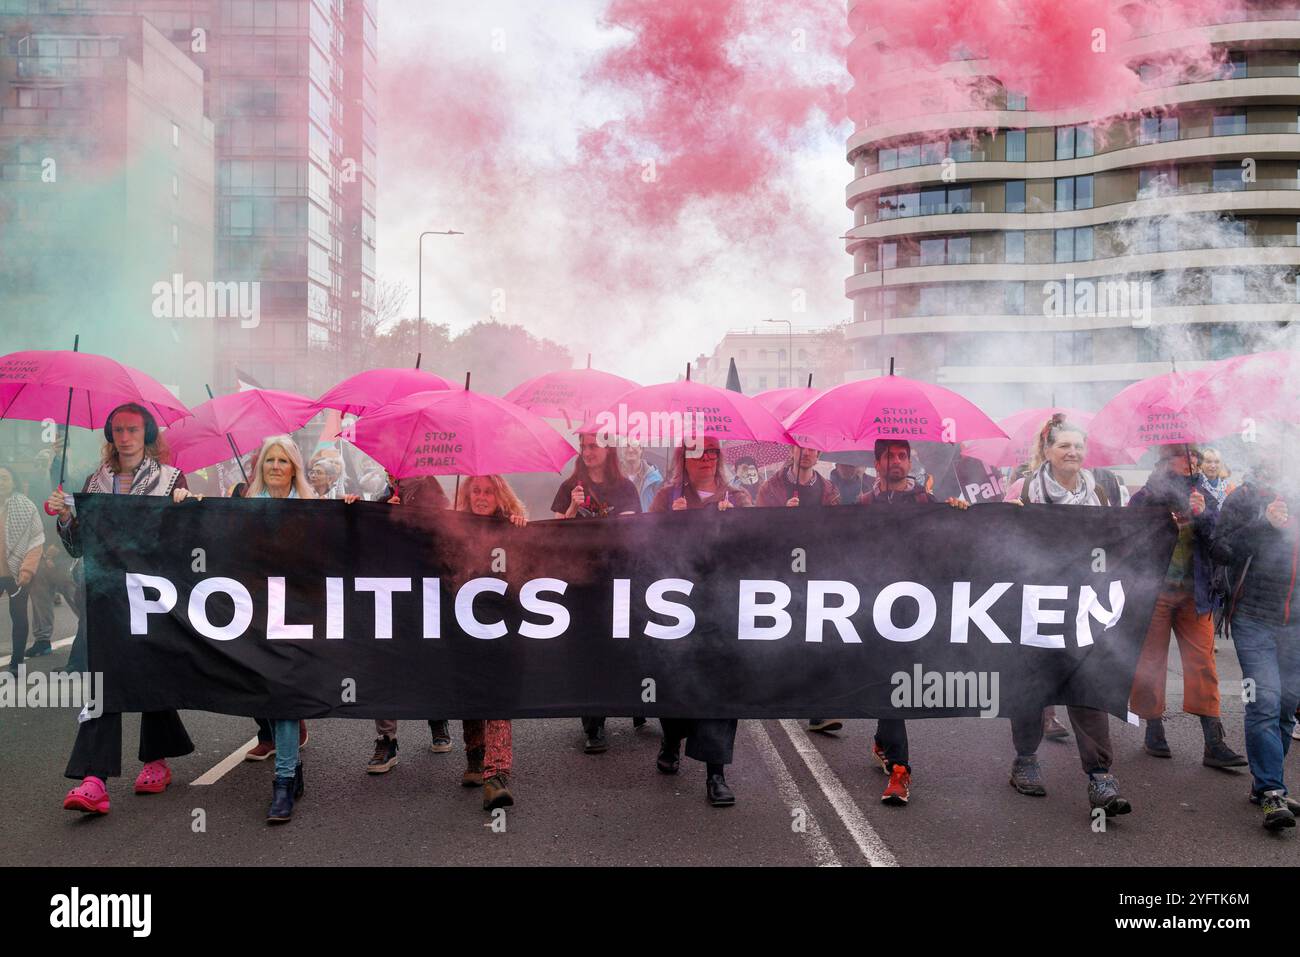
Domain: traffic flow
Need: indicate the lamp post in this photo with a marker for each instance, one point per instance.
(419, 295)
(789, 347)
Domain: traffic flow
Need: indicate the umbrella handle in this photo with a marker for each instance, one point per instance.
(48, 509)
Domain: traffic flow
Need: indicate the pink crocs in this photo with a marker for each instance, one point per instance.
(89, 797)
(154, 778)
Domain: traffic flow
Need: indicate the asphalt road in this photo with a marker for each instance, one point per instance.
(803, 799)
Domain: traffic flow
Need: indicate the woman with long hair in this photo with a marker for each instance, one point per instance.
(1061, 479)
(596, 488)
(133, 462)
(22, 541)
(697, 482)
(489, 752)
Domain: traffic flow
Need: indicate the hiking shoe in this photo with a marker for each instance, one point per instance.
(1217, 752)
(1292, 804)
(473, 775)
(1027, 776)
(1276, 813)
(1155, 743)
(89, 797)
(1103, 792)
(496, 792)
(899, 787)
(385, 756)
(441, 743)
(825, 725)
(263, 751)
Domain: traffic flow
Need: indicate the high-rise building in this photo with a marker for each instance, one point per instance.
(1027, 257)
(290, 90)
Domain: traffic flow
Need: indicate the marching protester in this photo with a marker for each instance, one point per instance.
(1215, 474)
(489, 752)
(645, 476)
(1061, 479)
(133, 462)
(1186, 605)
(851, 481)
(698, 482)
(1257, 541)
(799, 486)
(895, 488)
(596, 488)
(22, 541)
(279, 473)
(425, 492)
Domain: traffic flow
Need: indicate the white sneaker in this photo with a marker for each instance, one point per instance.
(1295, 731)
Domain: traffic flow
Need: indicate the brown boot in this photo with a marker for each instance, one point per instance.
(473, 775)
(496, 792)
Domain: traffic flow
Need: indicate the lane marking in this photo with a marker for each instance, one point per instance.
(822, 851)
(850, 815)
(61, 643)
(232, 760)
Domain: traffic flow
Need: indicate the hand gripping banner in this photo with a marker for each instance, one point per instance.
(299, 609)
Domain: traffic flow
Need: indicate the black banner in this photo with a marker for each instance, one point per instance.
(305, 609)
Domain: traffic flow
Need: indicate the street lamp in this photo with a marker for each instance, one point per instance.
(419, 295)
(789, 347)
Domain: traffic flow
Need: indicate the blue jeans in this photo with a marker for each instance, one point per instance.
(1270, 656)
(286, 747)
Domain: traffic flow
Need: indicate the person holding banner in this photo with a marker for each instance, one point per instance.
(489, 752)
(133, 462)
(895, 488)
(596, 488)
(1061, 479)
(700, 482)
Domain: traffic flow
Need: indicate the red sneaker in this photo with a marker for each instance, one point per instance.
(154, 778)
(878, 753)
(898, 788)
(90, 797)
(263, 751)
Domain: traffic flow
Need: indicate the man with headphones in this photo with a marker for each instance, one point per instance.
(132, 464)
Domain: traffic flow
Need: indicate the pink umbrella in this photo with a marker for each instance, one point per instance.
(79, 388)
(781, 402)
(570, 394)
(1262, 385)
(1022, 430)
(667, 414)
(1170, 409)
(855, 414)
(459, 432)
(221, 427)
(375, 387)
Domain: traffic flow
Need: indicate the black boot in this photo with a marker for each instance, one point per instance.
(716, 789)
(1155, 744)
(1217, 752)
(282, 794)
(668, 760)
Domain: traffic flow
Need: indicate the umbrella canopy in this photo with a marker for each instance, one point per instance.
(242, 418)
(1260, 386)
(1022, 430)
(1171, 409)
(459, 432)
(781, 402)
(35, 386)
(663, 415)
(367, 391)
(570, 394)
(855, 414)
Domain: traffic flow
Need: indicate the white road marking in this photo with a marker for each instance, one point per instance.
(822, 851)
(233, 759)
(61, 643)
(863, 834)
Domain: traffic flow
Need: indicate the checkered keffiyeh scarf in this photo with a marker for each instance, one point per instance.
(23, 531)
(150, 478)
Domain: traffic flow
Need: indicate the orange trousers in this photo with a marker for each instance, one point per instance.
(1176, 611)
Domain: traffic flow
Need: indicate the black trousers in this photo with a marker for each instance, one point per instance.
(1091, 734)
(891, 735)
(98, 750)
(18, 618)
(710, 740)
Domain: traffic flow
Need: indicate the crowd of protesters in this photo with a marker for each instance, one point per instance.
(1232, 572)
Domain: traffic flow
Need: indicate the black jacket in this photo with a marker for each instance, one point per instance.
(1244, 533)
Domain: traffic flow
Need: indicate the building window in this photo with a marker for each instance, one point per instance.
(1015, 247)
(909, 156)
(1227, 288)
(887, 256)
(1157, 129)
(1074, 141)
(933, 252)
(1015, 299)
(176, 135)
(1229, 123)
(1074, 245)
(888, 159)
(1017, 101)
(26, 98)
(933, 152)
(1154, 180)
(1015, 196)
(1227, 178)
(958, 250)
(762, 383)
(960, 151)
(1015, 146)
(1234, 68)
(1073, 192)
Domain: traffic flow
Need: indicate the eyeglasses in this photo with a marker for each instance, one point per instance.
(710, 455)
